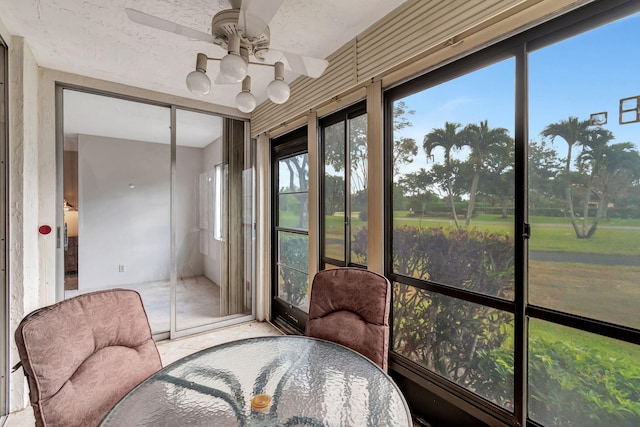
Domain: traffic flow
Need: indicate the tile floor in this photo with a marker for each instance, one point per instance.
(172, 350)
(198, 302)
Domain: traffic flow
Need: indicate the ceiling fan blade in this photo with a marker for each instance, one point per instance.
(306, 65)
(255, 15)
(162, 24)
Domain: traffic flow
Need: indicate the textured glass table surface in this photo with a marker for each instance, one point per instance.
(307, 382)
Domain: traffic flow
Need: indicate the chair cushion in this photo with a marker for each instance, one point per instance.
(82, 355)
(350, 306)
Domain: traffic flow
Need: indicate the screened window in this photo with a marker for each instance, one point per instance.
(513, 224)
(290, 231)
(344, 192)
(584, 257)
(453, 225)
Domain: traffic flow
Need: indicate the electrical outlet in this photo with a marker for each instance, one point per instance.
(121, 268)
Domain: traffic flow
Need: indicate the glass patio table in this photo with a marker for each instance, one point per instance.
(264, 382)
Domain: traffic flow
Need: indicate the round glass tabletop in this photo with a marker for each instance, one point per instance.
(266, 382)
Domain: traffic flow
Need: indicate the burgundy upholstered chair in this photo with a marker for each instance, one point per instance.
(350, 306)
(82, 355)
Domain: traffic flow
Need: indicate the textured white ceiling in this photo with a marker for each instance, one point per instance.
(95, 38)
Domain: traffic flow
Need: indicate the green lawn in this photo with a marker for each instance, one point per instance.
(609, 293)
(619, 237)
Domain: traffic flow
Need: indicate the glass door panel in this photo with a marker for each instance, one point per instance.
(198, 190)
(584, 257)
(584, 165)
(213, 255)
(117, 199)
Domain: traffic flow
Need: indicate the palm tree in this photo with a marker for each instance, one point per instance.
(448, 139)
(481, 140)
(609, 168)
(573, 131)
(591, 163)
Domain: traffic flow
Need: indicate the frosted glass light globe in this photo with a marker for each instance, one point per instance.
(246, 102)
(278, 91)
(198, 83)
(233, 68)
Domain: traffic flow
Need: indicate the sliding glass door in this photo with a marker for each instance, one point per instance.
(213, 177)
(117, 198)
(147, 209)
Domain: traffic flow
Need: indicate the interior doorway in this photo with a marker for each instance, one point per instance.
(147, 190)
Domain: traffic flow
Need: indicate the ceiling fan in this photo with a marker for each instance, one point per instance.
(241, 32)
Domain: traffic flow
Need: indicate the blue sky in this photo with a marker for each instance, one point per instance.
(585, 74)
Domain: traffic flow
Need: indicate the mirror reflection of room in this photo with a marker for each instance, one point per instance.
(70, 203)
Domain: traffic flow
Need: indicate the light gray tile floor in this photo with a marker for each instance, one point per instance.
(197, 302)
(172, 350)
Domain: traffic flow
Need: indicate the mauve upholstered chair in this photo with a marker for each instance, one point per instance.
(350, 306)
(82, 355)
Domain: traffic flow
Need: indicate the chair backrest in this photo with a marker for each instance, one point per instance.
(350, 306)
(82, 355)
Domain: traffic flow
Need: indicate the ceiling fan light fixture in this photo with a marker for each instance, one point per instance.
(245, 100)
(243, 31)
(278, 90)
(233, 66)
(198, 82)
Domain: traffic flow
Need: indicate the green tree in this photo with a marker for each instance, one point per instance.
(607, 169)
(415, 183)
(358, 154)
(498, 176)
(602, 171)
(573, 131)
(544, 167)
(622, 164)
(416, 188)
(404, 149)
(482, 140)
(299, 184)
(448, 139)
(334, 194)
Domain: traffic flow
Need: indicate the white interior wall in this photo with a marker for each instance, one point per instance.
(119, 225)
(189, 167)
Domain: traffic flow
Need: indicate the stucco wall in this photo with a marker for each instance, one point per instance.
(26, 293)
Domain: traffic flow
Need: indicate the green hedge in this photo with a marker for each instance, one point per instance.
(472, 345)
(571, 386)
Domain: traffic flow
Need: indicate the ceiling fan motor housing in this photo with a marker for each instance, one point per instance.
(225, 24)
